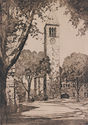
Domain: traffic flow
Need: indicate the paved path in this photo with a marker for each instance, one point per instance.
(57, 110)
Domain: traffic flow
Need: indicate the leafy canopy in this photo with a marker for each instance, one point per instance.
(76, 66)
(78, 10)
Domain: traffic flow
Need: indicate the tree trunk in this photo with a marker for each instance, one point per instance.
(77, 90)
(3, 92)
(35, 87)
(60, 80)
(28, 95)
(44, 87)
(77, 95)
(39, 87)
(60, 88)
(3, 100)
(29, 89)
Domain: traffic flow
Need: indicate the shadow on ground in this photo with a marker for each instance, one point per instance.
(45, 121)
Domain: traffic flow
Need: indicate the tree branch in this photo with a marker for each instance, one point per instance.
(21, 45)
(24, 87)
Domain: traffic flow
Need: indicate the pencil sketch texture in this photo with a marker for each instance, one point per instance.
(44, 62)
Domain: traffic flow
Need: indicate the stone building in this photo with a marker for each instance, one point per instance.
(12, 97)
(52, 50)
(68, 90)
(52, 46)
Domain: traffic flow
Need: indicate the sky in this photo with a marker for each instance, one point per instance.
(69, 41)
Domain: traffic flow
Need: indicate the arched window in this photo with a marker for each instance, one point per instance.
(52, 32)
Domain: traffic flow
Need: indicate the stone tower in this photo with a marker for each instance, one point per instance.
(52, 49)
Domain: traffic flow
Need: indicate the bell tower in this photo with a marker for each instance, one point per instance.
(52, 50)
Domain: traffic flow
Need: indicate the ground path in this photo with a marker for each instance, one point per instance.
(55, 109)
(55, 112)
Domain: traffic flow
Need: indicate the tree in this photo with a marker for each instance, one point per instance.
(60, 82)
(29, 76)
(75, 69)
(26, 66)
(78, 10)
(42, 71)
(19, 89)
(16, 17)
(16, 21)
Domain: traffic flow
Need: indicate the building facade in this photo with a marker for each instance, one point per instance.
(69, 90)
(12, 97)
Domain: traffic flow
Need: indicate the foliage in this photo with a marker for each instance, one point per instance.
(28, 60)
(36, 67)
(78, 10)
(16, 22)
(44, 67)
(76, 66)
(75, 69)
(26, 66)
(17, 17)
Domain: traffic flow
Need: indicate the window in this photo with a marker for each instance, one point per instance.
(52, 32)
(63, 85)
(66, 85)
(86, 85)
(73, 84)
(85, 94)
(73, 94)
